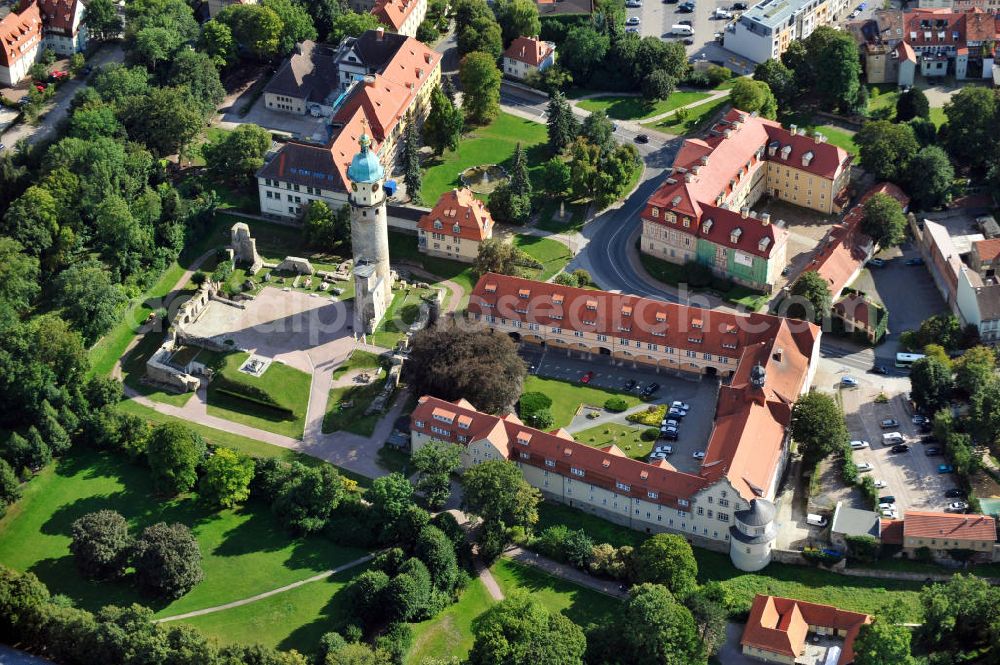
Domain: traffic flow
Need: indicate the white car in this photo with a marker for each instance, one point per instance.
(657, 456)
(889, 513)
(633, 3)
(723, 13)
(680, 405)
(859, 444)
(698, 455)
(957, 507)
(879, 484)
(666, 450)
(864, 467)
(849, 382)
(633, 20)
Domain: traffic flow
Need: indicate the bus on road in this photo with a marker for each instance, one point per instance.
(906, 360)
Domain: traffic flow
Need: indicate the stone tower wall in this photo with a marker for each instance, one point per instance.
(370, 236)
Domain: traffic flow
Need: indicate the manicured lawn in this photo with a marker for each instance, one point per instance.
(839, 137)
(623, 436)
(581, 605)
(449, 634)
(287, 386)
(492, 144)
(552, 254)
(295, 619)
(352, 418)
(567, 397)
(802, 582)
(134, 370)
(882, 96)
(938, 117)
(675, 274)
(691, 122)
(638, 108)
(276, 241)
(548, 218)
(358, 360)
(403, 311)
(245, 551)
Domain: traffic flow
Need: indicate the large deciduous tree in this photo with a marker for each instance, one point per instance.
(443, 126)
(165, 120)
(102, 20)
(519, 631)
(101, 544)
(882, 642)
(930, 177)
(435, 462)
(257, 27)
(975, 369)
(750, 96)
(779, 78)
(884, 220)
(238, 154)
(911, 104)
(887, 149)
(497, 492)
(668, 559)
(517, 18)
(90, 300)
(174, 452)
(482, 367)
(818, 426)
(931, 384)
(834, 55)
(970, 136)
(167, 560)
(296, 24)
(481, 87)
(226, 481)
(811, 298)
(304, 497)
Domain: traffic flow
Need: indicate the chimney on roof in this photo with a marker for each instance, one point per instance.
(744, 211)
(704, 160)
(765, 218)
(688, 177)
(379, 33)
(727, 132)
(793, 128)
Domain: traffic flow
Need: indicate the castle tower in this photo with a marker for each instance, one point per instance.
(369, 239)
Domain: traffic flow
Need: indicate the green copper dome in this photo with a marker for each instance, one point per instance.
(365, 167)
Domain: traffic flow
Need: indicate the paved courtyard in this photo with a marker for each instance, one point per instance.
(305, 331)
(302, 126)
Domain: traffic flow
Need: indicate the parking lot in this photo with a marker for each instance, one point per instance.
(657, 17)
(701, 394)
(911, 477)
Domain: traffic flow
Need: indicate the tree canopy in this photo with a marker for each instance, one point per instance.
(884, 220)
(886, 148)
(818, 426)
(812, 298)
(520, 631)
(174, 453)
(750, 96)
(481, 87)
(668, 559)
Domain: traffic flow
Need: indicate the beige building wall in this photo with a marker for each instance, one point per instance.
(284, 103)
(285, 199)
(449, 247)
(767, 656)
(801, 188)
(948, 544)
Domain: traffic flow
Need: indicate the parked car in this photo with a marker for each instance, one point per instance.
(892, 438)
(650, 389)
(889, 423)
(643, 138)
(946, 468)
(680, 405)
(676, 413)
(849, 382)
(865, 467)
(739, 6)
(685, 8)
(667, 450)
(722, 13)
(859, 444)
(630, 384)
(930, 438)
(887, 499)
(670, 422)
(686, 22)
(880, 369)
(656, 456)
(632, 31)
(816, 520)
(887, 505)
(957, 507)
(879, 483)
(889, 513)
(915, 261)
(932, 451)
(918, 419)
(926, 427)
(670, 2)
(698, 454)
(633, 3)
(669, 433)
(633, 20)
(954, 493)
(876, 263)
(900, 448)
(587, 377)
(688, 41)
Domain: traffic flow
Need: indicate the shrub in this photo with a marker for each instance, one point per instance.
(650, 434)
(717, 75)
(870, 491)
(101, 544)
(552, 542)
(698, 80)
(533, 402)
(566, 279)
(816, 555)
(862, 548)
(652, 416)
(167, 560)
(616, 404)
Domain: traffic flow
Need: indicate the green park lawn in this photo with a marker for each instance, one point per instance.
(621, 107)
(403, 249)
(245, 551)
(403, 311)
(807, 583)
(567, 397)
(358, 360)
(548, 217)
(345, 409)
(295, 619)
(623, 436)
(693, 121)
(841, 138)
(449, 634)
(581, 605)
(134, 370)
(492, 144)
(286, 386)
(552, 254)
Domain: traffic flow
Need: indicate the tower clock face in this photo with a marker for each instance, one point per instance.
(354, 186)
(374, 188)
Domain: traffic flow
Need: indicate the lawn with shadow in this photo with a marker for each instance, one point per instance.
(245, 551)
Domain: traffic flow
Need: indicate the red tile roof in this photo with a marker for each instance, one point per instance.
(57, 15)
(746, 442)
(891, 532)
(394, 12)
(855, 307)
(461, 215)
(921, 524)
(529, 50)
(780, 625)
(705, 172)
(988, 250)
(846, 247)
(934, 27)
(16, 31)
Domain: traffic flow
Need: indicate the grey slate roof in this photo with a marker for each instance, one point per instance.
(854, 522)
(310, 73)
(760, 513)
(375, 52)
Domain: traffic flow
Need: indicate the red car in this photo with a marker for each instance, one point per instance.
(587, 377)
(58, 74)
(40, 88)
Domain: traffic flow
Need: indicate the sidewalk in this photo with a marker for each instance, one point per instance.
(566, 572)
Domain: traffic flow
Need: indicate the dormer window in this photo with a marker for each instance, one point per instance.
(695, 339)
(786, 151)
(624, 329)
(491, 288)
(464, 422)
(577, 471)
(734, 236)
(524, 438)
(558, 298)
(661, 316)
(762, 245)
(592, 305)
(687, 222)
(653, 495)
(605, 463)
(626, 310)
(438, 224)
(706, 226)
(697, 323)
(683, 502)
(625, 487)
(551, 463)
(456, 229)
(524, 293)
(656, 211)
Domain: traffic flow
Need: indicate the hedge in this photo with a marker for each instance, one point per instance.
(616, 404)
